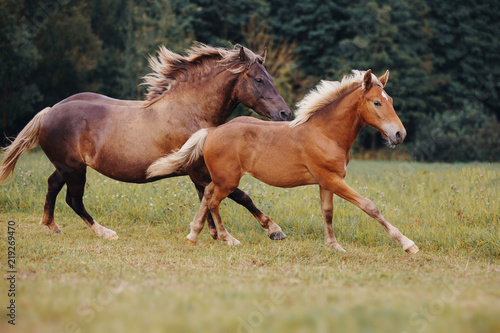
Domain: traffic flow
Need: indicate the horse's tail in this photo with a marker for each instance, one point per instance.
(189, 152)
(24, 142)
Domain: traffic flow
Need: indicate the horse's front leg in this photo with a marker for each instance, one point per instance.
(337, 185)
(273, 230)
(327, 212)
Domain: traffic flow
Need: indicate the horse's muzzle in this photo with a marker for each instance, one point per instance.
(284, 115)
(396, 138)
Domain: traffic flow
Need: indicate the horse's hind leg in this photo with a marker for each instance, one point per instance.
(75, 182)
(198, 222)
(55, 184)
(210, 221)
(273, 230)
(213, 196)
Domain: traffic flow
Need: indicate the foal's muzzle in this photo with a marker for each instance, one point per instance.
(396, 138)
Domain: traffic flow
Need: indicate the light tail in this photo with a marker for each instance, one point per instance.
(24, 142)
(189, 152)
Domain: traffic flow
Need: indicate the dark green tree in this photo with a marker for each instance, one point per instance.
(466, 48)
(69, 53)
(220, 22)
(18, 59)
(316, 26)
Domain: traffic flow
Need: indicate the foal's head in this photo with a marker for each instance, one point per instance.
(255, 89)
(377, 111)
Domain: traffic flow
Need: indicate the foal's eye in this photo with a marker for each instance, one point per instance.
(377, 103)
(258, 80)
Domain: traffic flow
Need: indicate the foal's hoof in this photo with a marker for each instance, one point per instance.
(277, 235)
(232, 241)
(336, 246)
(412, 249)
(190, 242)
(339, 248)
(113, 237)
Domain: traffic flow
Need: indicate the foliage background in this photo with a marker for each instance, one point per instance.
(443, 56)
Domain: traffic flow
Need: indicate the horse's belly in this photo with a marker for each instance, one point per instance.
(290, 176)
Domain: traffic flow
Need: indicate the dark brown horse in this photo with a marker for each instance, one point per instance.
(313, 149)
(121, 139)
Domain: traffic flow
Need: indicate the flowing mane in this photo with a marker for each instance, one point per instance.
(169, 67)
(327, 92)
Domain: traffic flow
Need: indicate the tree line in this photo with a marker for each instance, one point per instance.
(443, 56)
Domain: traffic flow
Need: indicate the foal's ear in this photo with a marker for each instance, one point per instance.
(243, 56)
(263, 55)
(384, 78)
(367, 80)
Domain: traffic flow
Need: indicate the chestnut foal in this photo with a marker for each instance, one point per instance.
(312, 149)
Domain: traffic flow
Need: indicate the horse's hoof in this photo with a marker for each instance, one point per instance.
(335, 246)
(53, 227)
(190, 242)
(412, 249)
(113, 237)
(339, 248)
(233, 241)
(277, 235)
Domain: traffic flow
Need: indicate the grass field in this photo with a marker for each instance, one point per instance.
(151, 280)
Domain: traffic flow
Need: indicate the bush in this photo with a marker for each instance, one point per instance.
(469, 134)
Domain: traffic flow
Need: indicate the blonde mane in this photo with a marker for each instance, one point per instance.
(327, 92)
(168, 67)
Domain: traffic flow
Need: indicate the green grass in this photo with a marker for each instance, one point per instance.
(151, 280)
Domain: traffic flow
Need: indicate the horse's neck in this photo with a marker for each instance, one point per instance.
(207, 100)
(340, 121)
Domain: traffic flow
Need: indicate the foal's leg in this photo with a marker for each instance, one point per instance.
(214, 195)
(198, 222)
(55, 184)
(273, 230)
(75, 182)
(327, 212)
(339, 187)
(211, 226)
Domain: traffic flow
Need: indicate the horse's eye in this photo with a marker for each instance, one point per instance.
(258, 80)
(377, 103)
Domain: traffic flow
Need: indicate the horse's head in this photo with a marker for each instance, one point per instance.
(255, 89)
(377, 110)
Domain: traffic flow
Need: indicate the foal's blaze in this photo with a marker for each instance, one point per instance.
(313, 149)
(377, 110)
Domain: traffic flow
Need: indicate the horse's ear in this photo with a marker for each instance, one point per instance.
(243, 56)
(367, 80)
(263, 55)
(384, 78)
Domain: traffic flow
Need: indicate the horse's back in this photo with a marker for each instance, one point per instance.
(254, 121)
(91, 97)
(269, 151)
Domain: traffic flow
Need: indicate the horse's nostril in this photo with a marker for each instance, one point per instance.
(398, 135)
(284, 115)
